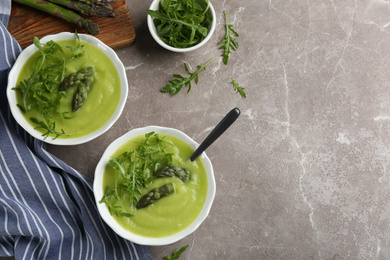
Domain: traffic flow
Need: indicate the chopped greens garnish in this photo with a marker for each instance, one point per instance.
(135, 170)
(176, 254)
(179, 81)
(40, 90)
(182, 23)
(238, 88)
(228, 43)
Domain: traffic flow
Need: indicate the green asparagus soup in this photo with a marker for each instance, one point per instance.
(169, 214)
(101, 101)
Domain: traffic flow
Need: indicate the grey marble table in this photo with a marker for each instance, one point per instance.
(304, 173)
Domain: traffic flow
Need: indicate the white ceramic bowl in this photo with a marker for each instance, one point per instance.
(103, 210)
(30, 50)
(153, 32)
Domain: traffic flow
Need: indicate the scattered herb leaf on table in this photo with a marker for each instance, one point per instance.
(228, 43)
(176, 254)
(179, 81)
(238, 88)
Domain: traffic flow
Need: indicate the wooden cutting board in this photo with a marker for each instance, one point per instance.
(25, 23)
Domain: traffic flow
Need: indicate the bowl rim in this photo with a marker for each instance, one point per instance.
(30, 50)
(103, 210)
(152, 30)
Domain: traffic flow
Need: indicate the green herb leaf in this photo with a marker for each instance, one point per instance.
(238, 88)
(107, 194)
(176, 254)
(78, 52)
(228, 43)
(182, 23)
(180, 81)
(49, 127)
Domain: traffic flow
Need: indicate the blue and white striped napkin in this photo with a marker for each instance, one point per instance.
(47, 209)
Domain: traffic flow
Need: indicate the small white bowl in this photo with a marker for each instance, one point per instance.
(30, 50)
(153, 32)
(103, 210)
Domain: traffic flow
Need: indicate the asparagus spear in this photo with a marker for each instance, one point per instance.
(77, 78)
(81, 94)
(154, 195)
(86, 9)
(81, 79)
(170, 171)
(96, 1)
(63, 13)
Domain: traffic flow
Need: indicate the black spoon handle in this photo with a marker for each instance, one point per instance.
(217, 131)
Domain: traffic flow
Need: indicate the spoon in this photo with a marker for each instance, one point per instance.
(225, 123)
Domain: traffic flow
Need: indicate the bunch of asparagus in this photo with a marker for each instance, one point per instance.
(71, 10)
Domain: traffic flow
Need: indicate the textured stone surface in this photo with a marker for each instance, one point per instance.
(304, 171)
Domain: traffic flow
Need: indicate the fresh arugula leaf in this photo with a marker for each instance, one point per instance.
(228, 43)
(180, 81)
(176, 254)
(238, 88)
(182, 23)
(78, 52)
(107, 194)
(64, 115)
(49, 127)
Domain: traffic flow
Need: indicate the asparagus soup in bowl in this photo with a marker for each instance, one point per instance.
(148, 191)
(67, 88)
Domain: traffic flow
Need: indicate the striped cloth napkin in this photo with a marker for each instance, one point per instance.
(47, 209)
